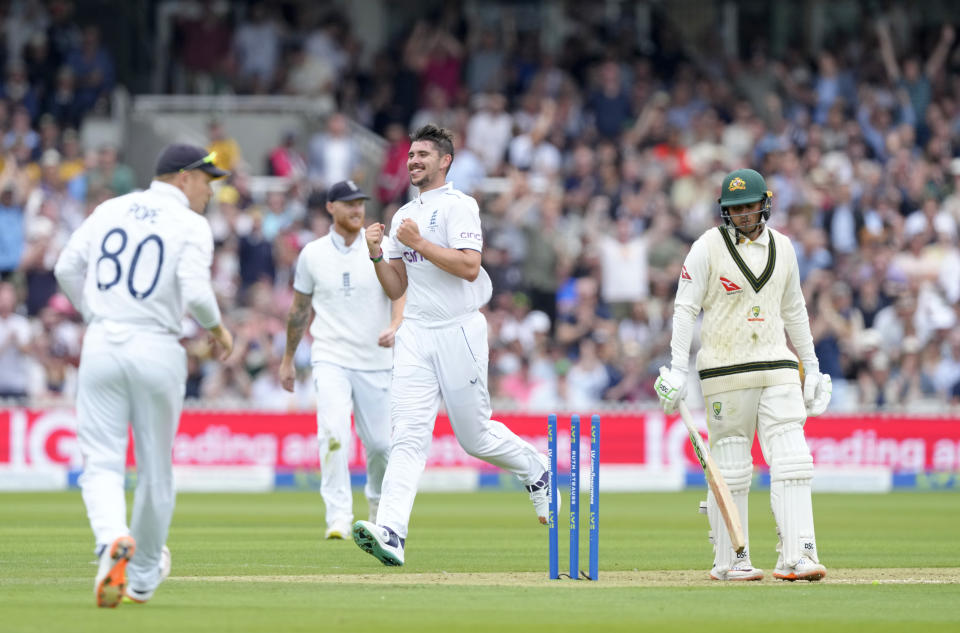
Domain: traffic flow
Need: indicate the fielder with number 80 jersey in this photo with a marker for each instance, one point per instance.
(131, 269)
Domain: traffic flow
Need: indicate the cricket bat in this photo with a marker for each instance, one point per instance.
(731, 516)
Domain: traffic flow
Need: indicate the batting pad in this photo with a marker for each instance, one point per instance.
(732, 455)
(791, 472)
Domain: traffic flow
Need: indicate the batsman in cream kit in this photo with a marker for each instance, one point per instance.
(433, 255)
(745, 278)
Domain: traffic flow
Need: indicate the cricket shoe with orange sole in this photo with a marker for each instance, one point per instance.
(111, 579)
(805, 569)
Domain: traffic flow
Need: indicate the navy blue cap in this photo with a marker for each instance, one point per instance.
(180, 157)
(345, 190)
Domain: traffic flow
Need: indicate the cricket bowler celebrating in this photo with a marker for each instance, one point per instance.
(353, 331)
(130, 269)
(433, 254)
(744, 275)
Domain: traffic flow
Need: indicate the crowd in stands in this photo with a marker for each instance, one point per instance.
(596, 165)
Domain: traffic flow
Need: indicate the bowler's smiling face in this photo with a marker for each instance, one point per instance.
(425, 165)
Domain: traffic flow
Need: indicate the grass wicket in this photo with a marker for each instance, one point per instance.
(574, 525)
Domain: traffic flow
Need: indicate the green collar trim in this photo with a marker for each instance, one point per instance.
(757, 283)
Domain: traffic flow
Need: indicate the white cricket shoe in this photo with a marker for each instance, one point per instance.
(540, 495)
(743, 570)
(380, 542)
(338, 530)
(373, 506)
(111, 579)
(139, 597)
(805, 569)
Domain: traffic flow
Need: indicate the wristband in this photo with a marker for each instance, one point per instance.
(378, 258)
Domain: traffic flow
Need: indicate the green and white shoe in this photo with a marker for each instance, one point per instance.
(380, 542)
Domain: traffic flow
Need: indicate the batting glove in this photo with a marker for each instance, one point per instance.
(817, 389)
(671, 387)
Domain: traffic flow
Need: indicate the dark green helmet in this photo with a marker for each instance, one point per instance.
(744, 186)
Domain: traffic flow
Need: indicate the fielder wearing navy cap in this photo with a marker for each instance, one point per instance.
(345, 190)
(179, 157)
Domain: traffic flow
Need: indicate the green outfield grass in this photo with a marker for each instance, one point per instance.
(477, 562)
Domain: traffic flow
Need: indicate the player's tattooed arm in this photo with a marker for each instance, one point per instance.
(297, 322)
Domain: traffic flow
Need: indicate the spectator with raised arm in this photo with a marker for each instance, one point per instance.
(915, 76)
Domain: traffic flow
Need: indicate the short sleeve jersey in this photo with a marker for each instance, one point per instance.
(349, 304)
(451, 219)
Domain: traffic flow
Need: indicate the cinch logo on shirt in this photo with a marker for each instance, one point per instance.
(467, 235)
(729, 286)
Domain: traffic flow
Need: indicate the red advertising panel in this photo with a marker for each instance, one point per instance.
(288, 441)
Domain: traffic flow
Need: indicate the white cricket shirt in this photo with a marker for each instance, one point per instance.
(350, 306)
(451, 219)
(139, 260)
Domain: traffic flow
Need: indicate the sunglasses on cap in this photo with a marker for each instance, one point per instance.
(206, 160)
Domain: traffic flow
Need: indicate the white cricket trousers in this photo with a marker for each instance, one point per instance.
(776, 415)
(368, 393)
(139, 380)
(449, 363)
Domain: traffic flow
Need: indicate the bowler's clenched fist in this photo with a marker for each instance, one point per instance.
(409, 233)
(374, 235)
